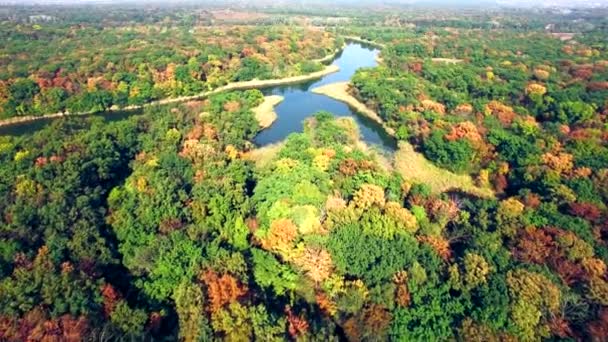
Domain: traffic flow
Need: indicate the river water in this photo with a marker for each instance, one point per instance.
(299, 103)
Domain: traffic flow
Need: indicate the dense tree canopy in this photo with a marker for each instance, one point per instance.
(174, 225)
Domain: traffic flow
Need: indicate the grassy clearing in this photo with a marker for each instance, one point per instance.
(409, 163)
(414, 166)
(265, 113)
(264, 155)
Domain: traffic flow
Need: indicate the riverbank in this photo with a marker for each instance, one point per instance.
(244, 85)
(365, 41)
(339, 91)
(331, 57)
(410, 164)
(29, 118)
(265, 113)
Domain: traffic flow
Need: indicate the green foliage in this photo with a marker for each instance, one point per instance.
(241, 323)
(130, 321)
(173, 260)
(252, 68)
(456, 156)
(189, 302)
(65, 292)
(349, 246)
(575, 112)
(270, 273)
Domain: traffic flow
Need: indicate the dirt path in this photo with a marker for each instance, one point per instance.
(447, 60)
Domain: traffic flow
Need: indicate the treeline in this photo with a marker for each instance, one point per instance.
(95, 69)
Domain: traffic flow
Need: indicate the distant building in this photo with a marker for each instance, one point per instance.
(41, 18)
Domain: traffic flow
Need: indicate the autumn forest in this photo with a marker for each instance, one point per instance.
(136, 203)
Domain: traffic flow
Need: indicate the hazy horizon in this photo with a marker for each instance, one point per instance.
(450, 3)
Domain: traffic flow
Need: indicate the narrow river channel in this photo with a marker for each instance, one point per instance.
(299, 103)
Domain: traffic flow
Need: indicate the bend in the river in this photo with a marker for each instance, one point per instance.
(299, 103)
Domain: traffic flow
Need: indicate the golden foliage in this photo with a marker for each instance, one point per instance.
(196, 151)
(25, 187)
(483, 178)
(335, 203)
(510, 208)
(280, 236)
(321, 162)
(430, 105)
(582, 172)
(594, 267)
(562, 162)
(535, 89)
(598, 290)
(316, 263)
(541, 75)
(504, 113)
(402, 216)
(369, 195)
(232, 106)
(326, 304)
(286, 164)
(534, 288)
(402, 293)
(463, 109)
(232, 152)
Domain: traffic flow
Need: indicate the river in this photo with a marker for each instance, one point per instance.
(299, 103)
